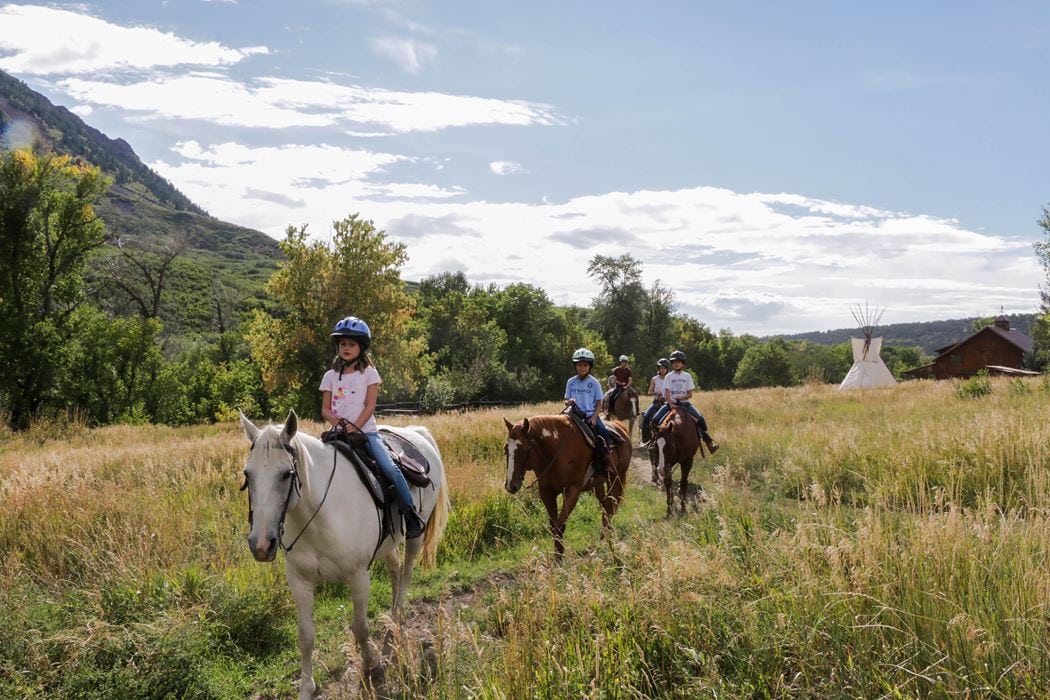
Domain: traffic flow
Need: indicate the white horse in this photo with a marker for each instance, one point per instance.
(306, 498)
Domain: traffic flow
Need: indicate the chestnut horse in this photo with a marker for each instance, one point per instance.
(625, 409)
(556, 451)
(675, 441)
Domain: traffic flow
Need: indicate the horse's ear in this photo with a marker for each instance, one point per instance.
(510, 426)
(291, 427)
(250, 431)
(525, 426)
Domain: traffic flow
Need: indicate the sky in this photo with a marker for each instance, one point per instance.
(772, 163)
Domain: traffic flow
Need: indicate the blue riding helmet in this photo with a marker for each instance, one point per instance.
(354, 328)
(678, 355)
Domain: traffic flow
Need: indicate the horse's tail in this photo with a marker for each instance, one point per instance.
(435, 525)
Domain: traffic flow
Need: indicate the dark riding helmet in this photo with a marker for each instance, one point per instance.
(677, 355)
(663, 362)
(354, 328)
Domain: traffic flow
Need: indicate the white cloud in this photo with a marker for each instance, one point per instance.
(51, 41)
(734, 260)
(280, 103)
(410, 55)
(505, 167)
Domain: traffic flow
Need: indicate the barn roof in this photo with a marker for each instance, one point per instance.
(1012, 336)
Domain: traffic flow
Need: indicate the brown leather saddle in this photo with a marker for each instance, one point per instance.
(580, 421)
(408, 458)
(354, 446)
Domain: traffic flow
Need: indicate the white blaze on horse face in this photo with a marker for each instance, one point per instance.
(512, 447)
(661, 443)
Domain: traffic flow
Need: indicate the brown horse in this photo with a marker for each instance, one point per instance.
(675, 441)
(625, 408)
(556, 451)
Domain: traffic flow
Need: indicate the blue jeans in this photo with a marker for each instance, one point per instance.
(647, 417)
(666, 408)
(389, 469)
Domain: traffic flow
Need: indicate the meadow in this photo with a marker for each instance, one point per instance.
(884, 543)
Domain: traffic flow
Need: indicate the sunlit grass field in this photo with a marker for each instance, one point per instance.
(885, 543)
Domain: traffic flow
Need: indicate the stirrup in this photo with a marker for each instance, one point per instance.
(414, 525)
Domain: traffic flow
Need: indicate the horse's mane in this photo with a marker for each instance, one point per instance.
(555, 422)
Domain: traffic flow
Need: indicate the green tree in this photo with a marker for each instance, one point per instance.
(116, 362)
(983, 322)
(532, 326)
(813, 362)
(764, 364)
(356, 273)
(618, 308)
(658, 323)
(48, 227)
(1041, 327)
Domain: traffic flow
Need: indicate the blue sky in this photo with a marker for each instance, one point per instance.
(771, 162)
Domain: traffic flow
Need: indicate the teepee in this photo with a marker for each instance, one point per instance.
(868, 369)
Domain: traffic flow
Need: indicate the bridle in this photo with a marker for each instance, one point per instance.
(294, 484)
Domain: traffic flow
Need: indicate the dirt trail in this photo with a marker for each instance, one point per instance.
(412, 644)
(422, 617)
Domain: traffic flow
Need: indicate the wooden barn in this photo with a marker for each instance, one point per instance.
(997, 349)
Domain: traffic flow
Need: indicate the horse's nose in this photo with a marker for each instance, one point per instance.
(264, 550)
(512, 488)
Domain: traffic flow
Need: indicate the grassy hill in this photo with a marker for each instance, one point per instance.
(220, 259)
(929, 335)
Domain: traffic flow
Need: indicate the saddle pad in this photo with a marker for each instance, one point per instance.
(583, 427)
(413, 464)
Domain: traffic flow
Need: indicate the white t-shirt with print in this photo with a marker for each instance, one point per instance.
(679, 383)
(348, 394)
(658, 385)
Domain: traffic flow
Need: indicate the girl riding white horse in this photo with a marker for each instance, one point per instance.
(306, 499)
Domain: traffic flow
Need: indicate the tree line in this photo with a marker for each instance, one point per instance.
(443, 340)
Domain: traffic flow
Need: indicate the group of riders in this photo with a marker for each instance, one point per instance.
(671, 388)
(350, 388)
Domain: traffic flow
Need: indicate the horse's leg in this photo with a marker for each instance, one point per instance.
(393, 565)
(550, 502)
(568, 503)
(668, 478)
(359, 590)
(412, 549)
(683, 489)
(303, 593)
(603, 499)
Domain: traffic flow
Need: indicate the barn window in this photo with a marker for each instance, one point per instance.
(956, 360)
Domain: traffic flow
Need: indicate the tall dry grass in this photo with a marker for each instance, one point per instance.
(889, 542)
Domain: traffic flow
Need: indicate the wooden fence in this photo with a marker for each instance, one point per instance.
(407, 408)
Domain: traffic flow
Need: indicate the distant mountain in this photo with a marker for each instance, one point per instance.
(929, 335)
(221, 259)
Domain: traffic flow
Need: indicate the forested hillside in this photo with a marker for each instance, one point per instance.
(928, 335)
(217, 270)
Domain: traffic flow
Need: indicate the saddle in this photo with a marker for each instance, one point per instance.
(354, 446)
(580, 421)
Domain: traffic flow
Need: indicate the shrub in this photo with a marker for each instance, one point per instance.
(437, 394)
(974, 387)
